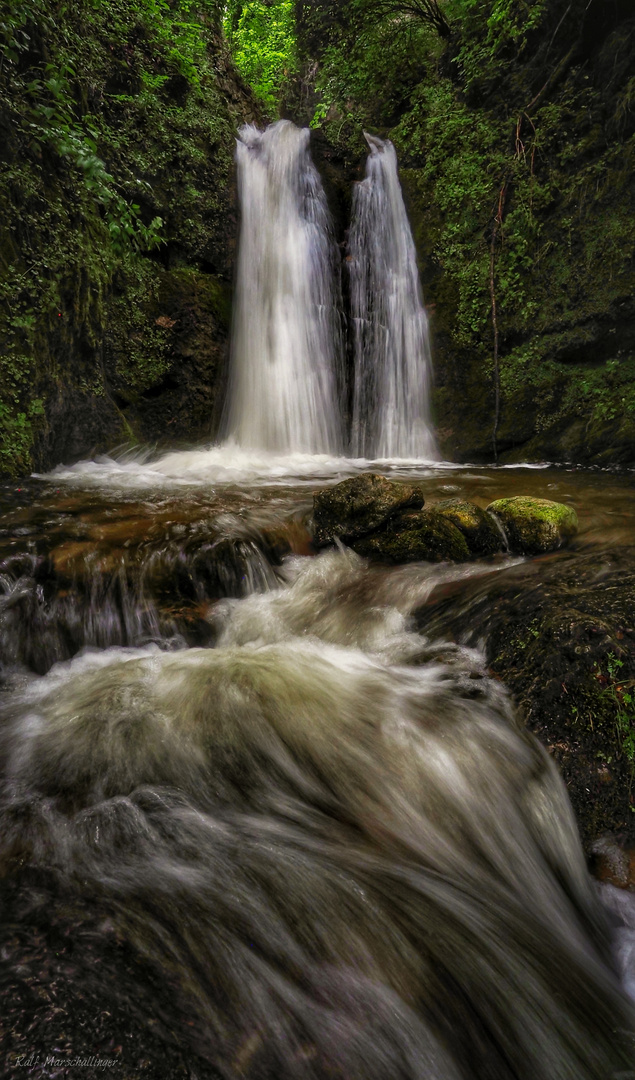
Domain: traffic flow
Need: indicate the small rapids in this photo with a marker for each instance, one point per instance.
(326, 840)
(136, 577)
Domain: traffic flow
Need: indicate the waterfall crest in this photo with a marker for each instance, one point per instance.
(391, 343)
(286, 341)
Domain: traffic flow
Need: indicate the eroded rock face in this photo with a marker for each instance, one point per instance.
(535, 526)
(359, 506)
(415, 536)
(482, 535)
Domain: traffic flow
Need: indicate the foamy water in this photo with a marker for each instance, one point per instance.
(230, 463)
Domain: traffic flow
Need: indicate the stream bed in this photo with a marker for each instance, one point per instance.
(261, 816)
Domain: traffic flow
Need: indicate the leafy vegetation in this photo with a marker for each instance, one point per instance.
(624, 703)
(117, 158)
(262, 37)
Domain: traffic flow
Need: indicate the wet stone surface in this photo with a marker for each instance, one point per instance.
(559, 632)
(534, 526)
(482, 534)
(415, 536)
(359, 506)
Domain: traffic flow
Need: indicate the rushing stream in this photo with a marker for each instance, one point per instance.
(290, 836)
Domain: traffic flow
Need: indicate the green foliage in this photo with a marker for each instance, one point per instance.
(621, 696)
(141, 355)
(116, 139)
(261, 35)
(515, 158)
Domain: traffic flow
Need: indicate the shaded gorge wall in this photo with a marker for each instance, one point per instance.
(514, 126)
(118, 225)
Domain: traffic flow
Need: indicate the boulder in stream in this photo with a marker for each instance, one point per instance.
(482, 534)
(535, 526)
(415, 536)
(558, 632)
(359, 506)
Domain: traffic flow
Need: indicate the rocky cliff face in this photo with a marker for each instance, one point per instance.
(515, 130)
(117, 127)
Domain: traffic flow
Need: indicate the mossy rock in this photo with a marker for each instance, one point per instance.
(481, 532)
(559, 634)
(359, 506)
(533, 526)
(416, 536)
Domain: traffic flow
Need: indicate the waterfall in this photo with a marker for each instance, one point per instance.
(285, 352)
(392, 351)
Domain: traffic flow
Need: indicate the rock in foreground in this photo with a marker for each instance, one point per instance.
(482, 534)
(383, 520)
(359, 506)
(534, 526)
(559, 634)
(416, 536)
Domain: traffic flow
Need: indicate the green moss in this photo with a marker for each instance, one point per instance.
(535, 525)
(360, 505)
(414, 536)
(117, 126)
(481, 533)
(516, 140)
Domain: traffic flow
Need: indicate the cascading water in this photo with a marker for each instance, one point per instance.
(284, 414)
(285, 351)
(327, 836)
(392, 351)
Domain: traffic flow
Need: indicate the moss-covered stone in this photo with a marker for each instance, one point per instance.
(415, 536)
(482, 534)
(560, 635)
(165, 351)
(534, 526)
(359, 506)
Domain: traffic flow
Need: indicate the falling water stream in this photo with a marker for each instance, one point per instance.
(285, 346)
(255, 820)
(391, 417)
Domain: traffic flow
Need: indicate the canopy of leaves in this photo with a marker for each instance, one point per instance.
(262, 37)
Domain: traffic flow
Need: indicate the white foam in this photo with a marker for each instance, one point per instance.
(226, 464)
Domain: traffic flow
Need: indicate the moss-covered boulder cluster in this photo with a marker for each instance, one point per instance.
(359, 506)
(118, 223)
(514, 123)
(385, 521)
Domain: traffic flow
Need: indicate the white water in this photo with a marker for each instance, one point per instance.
(338, 835)
(284, 417)
(392, 350)
(229, 464)
(286, 340)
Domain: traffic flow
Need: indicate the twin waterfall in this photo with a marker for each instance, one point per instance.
(288, 387)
